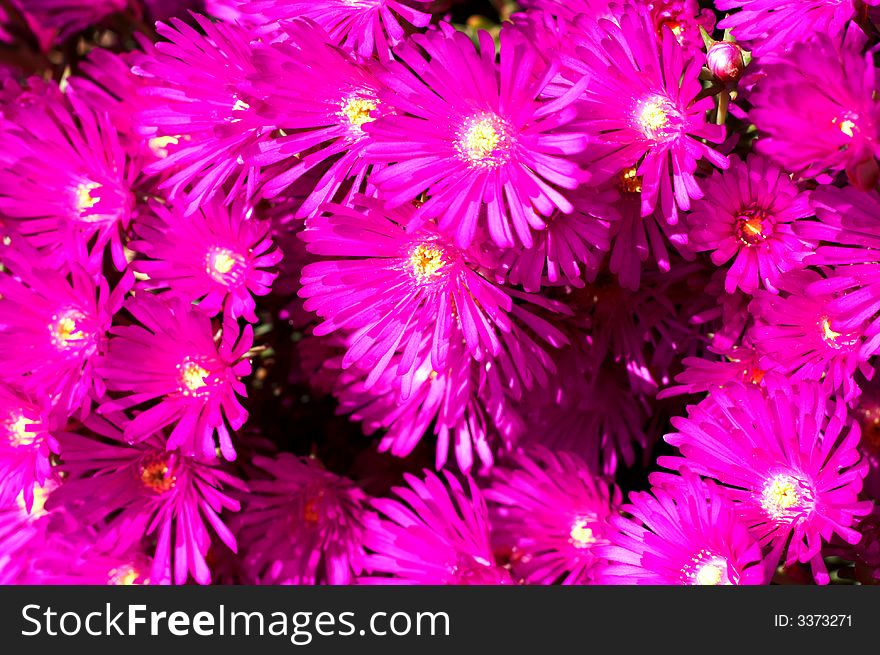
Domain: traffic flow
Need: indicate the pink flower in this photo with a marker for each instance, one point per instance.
(129, 491)
(302, 525)
(218, 257)
(748, 215)
(549, 511)
(786, 457)
(171, 356)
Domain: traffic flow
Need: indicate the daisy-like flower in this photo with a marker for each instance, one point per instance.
(67, 186)
(485, 147)
(364, 27)
(206, 113)
(304, 525)
(71, 16)
(776, 25)
(172, 356)
(128, 491)
(438, 534)
(848, 226)
(747, 215)
(26, 444)
(815, 109)
(397, 287)
(570, 243)
(52, 327)
(641, 105)
(801, 334)
(548, 510)
(322, 116)
(787, 457)
(218, 257)
(684, 532)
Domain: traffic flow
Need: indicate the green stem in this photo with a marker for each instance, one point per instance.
(723, 103)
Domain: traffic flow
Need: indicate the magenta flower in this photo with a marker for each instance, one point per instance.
(815, 109)
(71, 16)
(747, 215)
(171, 356)
(67, 186)
(800, 334)
(397, 289)
(438, 534)
(52, 326)
(218, 257)
(486, 137)
(787, 457)
(549, 511)
(129, 490)
(322, 116)
(684, 532)
(641, 105)
(360, 26)
(206, 116)
(26, 444)
(777, 25)
(304, 525)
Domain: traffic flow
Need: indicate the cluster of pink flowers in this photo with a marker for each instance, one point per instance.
(352, 292)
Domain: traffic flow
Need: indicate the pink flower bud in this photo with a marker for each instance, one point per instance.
(725, 60)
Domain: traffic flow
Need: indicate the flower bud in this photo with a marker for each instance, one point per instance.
(725, 60)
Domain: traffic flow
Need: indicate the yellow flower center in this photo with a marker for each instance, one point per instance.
(123, 576)
(835, 339)
(159, 145)
(426, 261)
(85, 200)
(652, 116)
(223, 265)
(358, 110)
(847, 123)
(580, 535)
(156, 474)
(706, 569)
(19, 431)
(65, 332)
(782, 494)
(193, 376)
(827, 333)
(484, 141)
(709, 575)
